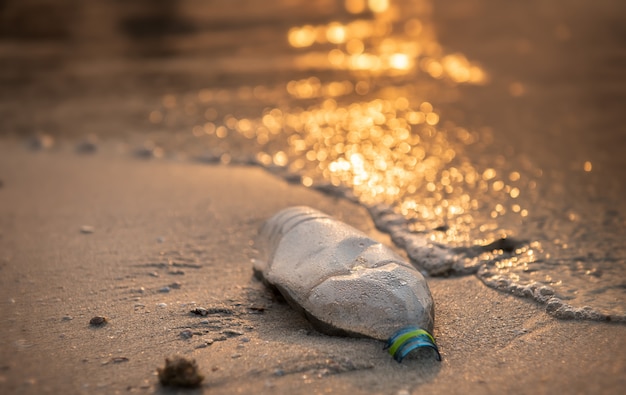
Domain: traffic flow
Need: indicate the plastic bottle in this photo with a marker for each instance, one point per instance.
(344, 282)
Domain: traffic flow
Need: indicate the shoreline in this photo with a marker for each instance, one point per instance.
(106, 234)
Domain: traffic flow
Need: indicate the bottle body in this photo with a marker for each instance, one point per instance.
(343, 281)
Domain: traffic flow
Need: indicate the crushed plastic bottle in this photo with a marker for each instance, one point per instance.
(344, 282)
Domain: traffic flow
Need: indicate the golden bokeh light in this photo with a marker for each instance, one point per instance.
(351, 117)
(382, 45)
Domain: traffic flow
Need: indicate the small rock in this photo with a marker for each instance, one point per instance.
(162, 305)
(67, 318)
(201, 311)
(98, 321)
(205, 344)
(236, 355)
(180, 372)
(160, 239)
(165, 289)
(154, 274)
(245, 340)
(119, 359)
(175, 285)
(231, 333)
(186, 334)
(257, 309)
(86, 229)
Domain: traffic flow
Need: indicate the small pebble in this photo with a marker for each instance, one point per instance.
(201, 311)
(98, 321)
(86, 229)
(161, 304)
(165, 289)
(154, 274)
(186, 334)
(245, 340)
(67, 318)
(237, 355)
(160, 239)
(231, 333)
(119, 359)
(205, 344)
(175, 285)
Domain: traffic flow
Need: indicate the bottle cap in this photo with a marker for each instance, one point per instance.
(408, 339)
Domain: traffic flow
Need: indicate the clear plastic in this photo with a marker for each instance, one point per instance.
(344, 282)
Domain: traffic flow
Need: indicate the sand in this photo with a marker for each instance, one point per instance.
(143, 242)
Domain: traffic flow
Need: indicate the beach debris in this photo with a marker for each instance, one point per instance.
(87, 229)
(98, 321)
(345, 282)
(180, 372)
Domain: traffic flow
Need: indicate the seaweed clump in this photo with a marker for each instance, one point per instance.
(180, 372)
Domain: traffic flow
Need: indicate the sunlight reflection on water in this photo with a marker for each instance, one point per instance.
(375, 134)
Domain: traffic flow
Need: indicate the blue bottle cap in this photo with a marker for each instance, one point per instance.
(408, 339)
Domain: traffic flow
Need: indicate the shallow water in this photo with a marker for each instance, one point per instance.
(486, 138)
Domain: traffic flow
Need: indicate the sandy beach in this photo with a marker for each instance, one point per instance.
(146, 241)
(129, 208)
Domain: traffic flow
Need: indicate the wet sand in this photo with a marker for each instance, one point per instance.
(105, 234)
